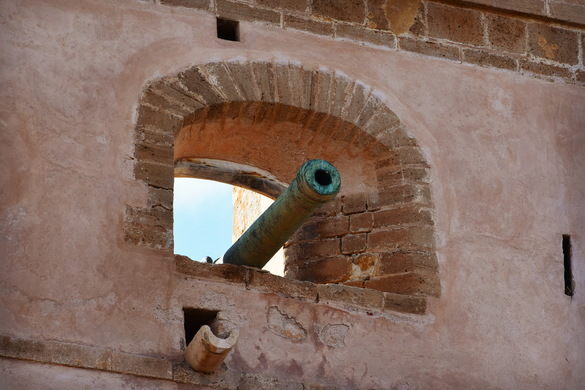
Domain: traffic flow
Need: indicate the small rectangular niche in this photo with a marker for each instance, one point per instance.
(228, 30)
(568, 263)
(194, 319)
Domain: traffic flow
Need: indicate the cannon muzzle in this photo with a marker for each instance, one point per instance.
(316, 182)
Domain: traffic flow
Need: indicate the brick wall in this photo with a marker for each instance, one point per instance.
(537, 38)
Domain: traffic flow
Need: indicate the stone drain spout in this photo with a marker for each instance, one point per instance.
(206, 351)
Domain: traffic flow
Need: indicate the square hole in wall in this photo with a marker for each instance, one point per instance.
(228, 30)
(194, 319)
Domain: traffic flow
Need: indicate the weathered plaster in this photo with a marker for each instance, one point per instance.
(507, 176)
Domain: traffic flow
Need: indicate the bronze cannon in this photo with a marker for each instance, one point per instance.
(316, 182)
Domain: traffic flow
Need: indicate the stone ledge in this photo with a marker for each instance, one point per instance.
(342, 296)
(108, 360)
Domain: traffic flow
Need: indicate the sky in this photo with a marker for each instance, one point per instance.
(202, 218)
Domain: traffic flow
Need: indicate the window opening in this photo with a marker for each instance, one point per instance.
(228, 30)
(194, 319)
(567, 260)
(210, 216)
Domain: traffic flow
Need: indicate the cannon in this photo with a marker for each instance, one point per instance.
(316, 182)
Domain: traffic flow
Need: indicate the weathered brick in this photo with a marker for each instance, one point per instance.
(157, 154)
(150, 217)
(411, 155)
(362, 34)
(222, 272)
(160, 197)
(405, 261)
(155, 174)
(429, 48)
(553, 43)
(330, 208)
(353, 243)
(416, 174)
(323, 228)
(264, 281)
(356, 102)
(157, 237)
(389, 177)
(360, 223)
(580, 76)
(239, 11)
(416, 283)
(295, 5)
(544, 69)
(506, 33)
(296, 252)
(396, 15)
(411, 304)
(156, 137)
(220, 80)
(339, 92)
(455, 24)
(400, 138)
(150, 118)
(354, 203)
(483, 58)
(335, 293)
(242, 76)
(527, 6)
(322, 82)
(571, 12)
(412, 238)
(309, 25)
(200, 4)
(410, 214)
(383, 120)
(346, 10)
(371, 107)
(264, 75)
(329, 270)
(194, 83)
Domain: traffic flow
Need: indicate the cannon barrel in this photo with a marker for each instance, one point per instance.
(316, 182)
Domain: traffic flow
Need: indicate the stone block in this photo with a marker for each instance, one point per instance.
(406, 261)
(293, 5)
(339, 93)
(396, 15)
(401, 138)
(429, 48)
(156, 237)
(363, 34)
(361, 223)
(157, 175)
(345, 10)
(570, 12)
(195, 84)
(545, 69)
(411, 283)
(506, 33)
(308, 25)
(352, 296)
(238, 11)
(411, 304)
(153, 153)
(322, 83)
(264, 75)
(154, 119)
(405, 215)
(486, 59)
(455, 24)
(391, 196)
(152, 216)
(416, 175)
(160, 197)
(553, 43)
(357, 100)
(354, 203)
(328, 270)
(353, 243)
(219, 78)
(407, 238)
(301, 252)
(322, 228)
(242, 75)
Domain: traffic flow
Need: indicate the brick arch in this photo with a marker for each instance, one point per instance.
(378, 234)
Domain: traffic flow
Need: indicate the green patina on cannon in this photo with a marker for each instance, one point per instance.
(316, 182)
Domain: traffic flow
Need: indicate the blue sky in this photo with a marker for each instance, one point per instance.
(203, 218)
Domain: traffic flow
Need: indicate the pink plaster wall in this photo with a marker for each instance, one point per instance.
(507, 156)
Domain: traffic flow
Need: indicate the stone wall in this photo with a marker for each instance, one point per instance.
(82, 307)
(538, 38)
